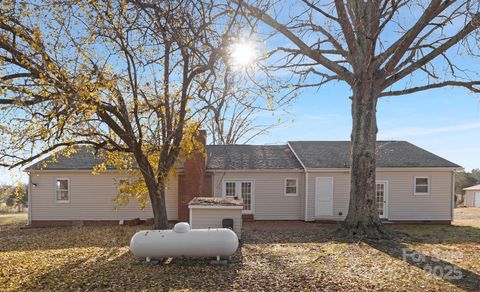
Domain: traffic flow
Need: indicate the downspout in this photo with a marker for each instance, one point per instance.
(29, 198)
(306, 195)
(453, 195)
(306, 180)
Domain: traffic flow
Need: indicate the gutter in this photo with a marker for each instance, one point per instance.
(279, 170)
(452, 213)
(306, 180)
(29, 190)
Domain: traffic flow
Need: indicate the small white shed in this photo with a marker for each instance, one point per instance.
(209, 212)
(472, 196)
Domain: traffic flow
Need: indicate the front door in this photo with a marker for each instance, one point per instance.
(381, 191)
(240, 189)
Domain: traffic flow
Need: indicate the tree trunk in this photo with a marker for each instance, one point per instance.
(156, 192)
(157, 199)
(362, 219)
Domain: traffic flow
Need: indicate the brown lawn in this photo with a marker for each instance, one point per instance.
(274, 256)
(13, 218)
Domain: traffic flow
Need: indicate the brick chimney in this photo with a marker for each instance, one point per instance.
(194, 181)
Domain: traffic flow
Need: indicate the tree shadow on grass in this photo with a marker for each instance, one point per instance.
(439, 233)
(300, 233)
(16, 239)
(447, 271)
(279, 271)
(283, 232)
(423, 234)
(119, 270)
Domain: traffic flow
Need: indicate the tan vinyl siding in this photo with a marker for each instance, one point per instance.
(91, 198)
(212, 217)
(270, 202)
(402, 203)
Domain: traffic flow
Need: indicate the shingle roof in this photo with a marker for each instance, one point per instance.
(84, 158)
(219, 157)
(313, 154)
(251, 157)
(473, 188)
(335, 154)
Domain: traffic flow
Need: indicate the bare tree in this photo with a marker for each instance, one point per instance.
(379, 48)
(238, 114)
(123, 76)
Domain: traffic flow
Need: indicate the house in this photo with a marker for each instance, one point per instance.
(301, 180)
(472, 196)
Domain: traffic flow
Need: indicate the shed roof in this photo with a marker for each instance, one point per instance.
(473, 188)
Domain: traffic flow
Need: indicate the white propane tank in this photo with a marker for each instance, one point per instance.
(183, 241)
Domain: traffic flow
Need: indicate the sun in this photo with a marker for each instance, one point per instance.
(243, 53)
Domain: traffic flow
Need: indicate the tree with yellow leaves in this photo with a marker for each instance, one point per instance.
(122, 76)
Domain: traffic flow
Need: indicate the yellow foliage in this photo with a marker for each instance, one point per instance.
(81, 82)
(134, 186)
(19, 191)
(190, 143)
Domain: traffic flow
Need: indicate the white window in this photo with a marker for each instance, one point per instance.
(230, 189)
(121, 185)
(62, 190)
(290, 187)
(422, 185)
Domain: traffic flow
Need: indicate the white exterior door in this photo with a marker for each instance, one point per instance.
(476, 199)
(246, 194)
(240, 189)
(323, 196)
(381, 194)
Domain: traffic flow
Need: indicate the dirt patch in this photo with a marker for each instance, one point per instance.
(467, 217)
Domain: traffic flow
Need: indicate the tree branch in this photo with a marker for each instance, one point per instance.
(313, 54)
(469, 85)
(469, 28)
(346, 26)
(398, 49)
(319, 10)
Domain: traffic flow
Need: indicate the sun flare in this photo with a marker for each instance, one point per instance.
(243, 53)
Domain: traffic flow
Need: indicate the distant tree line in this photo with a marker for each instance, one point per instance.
(13, 197)
(465, 180)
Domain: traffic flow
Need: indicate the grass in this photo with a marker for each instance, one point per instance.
(309, 258)
(13, 218)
